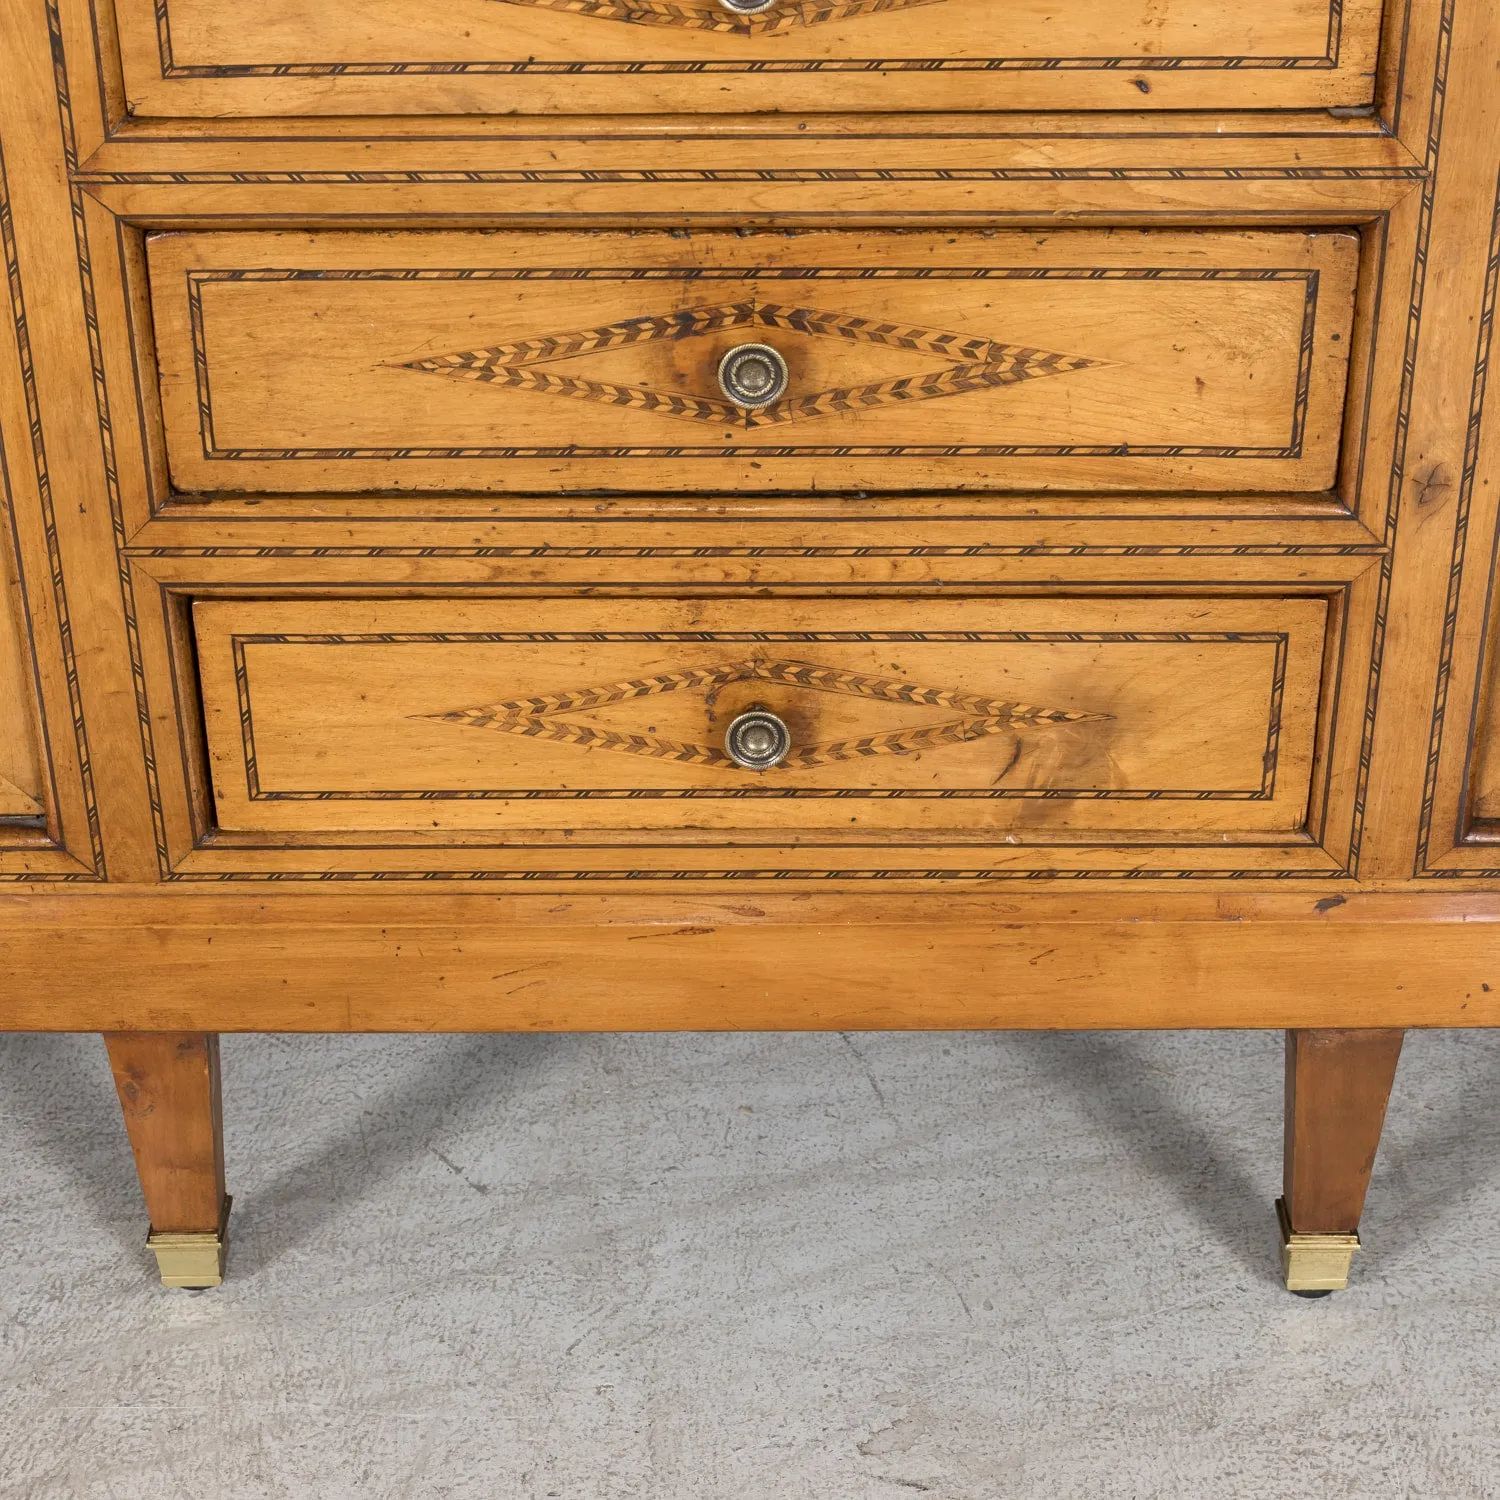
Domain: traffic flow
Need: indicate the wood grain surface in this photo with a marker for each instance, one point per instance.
(1431, 791)
(1483, 802)
(20, 764)
(1475, 798)
(1076, 360)
(1399, 549)
(1337, 1085)
(170, 1093)
(274, 57)
(960, 719)
(1196, 171)
(749, 959)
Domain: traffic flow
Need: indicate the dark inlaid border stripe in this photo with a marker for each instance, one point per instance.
(1264, 792)
(1327, 60)
(1484, 348)
(1415, 308)
(105, 421)
(674, 276)
(55, 577)
(605, 176)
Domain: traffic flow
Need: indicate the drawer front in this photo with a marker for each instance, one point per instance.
(20, 765)
(533, 363)
(275, 57)
(961, 720)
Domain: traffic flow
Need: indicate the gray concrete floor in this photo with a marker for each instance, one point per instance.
(724, 1268)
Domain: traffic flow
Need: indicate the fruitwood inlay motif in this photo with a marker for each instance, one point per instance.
(975, 363)
(537, 717)
(709, 15)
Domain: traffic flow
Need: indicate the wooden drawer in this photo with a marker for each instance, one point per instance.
(956, 720)
(1146, 360)
(288, 57)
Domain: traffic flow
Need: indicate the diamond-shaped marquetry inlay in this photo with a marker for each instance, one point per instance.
(710, 15)
(970, 363)
(548, 717)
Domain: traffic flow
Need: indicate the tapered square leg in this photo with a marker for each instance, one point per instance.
(1337, 1085)
(168, 1084)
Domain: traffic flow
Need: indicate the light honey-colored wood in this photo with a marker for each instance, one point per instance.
(827, 554)
(1193, 171)
(1365, 899)
(20, 764)
(1130, 169)
(271, 57)
(522, 362)
(753, 957)
(170, 1092)
(60, 463)
(1429, 683)
(962, 720)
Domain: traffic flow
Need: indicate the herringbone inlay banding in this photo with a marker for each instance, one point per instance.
(974, 363)
(709, 15)
(539, 717)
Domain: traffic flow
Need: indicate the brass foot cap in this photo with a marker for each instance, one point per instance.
(192, 1260)
(1314, 1262)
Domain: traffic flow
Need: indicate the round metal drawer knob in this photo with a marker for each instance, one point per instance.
(747, 7)
(757, 740)
(753, 376)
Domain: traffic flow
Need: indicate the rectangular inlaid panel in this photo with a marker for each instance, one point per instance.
(1079, 360)
(1481, 817)
(20, 764)
(269, 57)
(952, 720)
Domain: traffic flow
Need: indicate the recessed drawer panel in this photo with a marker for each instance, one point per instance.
(1476, 775)
(287, 57)
(606, 362)
(20, 765)
(957, 720)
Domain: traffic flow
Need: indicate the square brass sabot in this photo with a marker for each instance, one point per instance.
(192, 1260)
(1314, 1262)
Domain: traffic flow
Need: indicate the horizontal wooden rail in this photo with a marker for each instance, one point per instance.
(427, 961)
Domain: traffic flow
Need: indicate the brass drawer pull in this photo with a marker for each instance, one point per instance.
(753, 376)
(757, 740)
(747, 7)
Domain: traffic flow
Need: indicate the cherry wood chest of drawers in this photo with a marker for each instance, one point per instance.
(935, 514)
